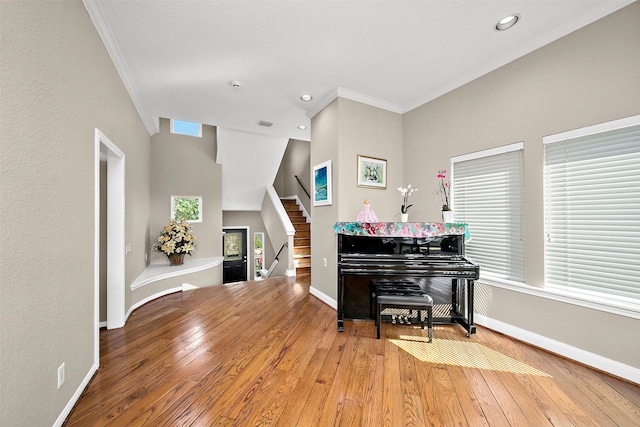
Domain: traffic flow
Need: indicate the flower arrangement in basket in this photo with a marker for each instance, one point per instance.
(444, 188)
(176, 240)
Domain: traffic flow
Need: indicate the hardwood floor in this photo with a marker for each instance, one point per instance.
(268, 353)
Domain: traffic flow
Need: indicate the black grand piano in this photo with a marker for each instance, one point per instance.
(431, 254)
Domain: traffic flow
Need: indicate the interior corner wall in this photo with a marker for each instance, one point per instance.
(58, 85)
(585, 78)
(340, 132)
(295, 162)
(185, 166)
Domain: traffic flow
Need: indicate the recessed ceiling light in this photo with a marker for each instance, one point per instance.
(306, 97)
(302, 127)
(507, 22)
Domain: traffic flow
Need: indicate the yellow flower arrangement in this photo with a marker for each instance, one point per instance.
(176, 238)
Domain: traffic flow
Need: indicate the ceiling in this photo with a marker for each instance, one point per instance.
(177, 58)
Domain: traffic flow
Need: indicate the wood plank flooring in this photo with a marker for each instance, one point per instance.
(267, 353)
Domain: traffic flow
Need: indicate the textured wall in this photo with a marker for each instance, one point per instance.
(58, 84)
(585, 78)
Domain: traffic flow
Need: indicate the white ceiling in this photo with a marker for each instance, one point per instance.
(177, 57)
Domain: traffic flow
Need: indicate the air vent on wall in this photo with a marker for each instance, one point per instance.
(265, 124)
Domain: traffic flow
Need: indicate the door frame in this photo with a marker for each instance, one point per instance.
(241, 227)
(115, 237)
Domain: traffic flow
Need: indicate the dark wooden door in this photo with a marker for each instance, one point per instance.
(234, 248)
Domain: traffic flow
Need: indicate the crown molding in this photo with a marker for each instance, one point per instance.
(97, 17)
(355, 96)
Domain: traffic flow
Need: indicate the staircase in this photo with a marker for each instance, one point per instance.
(302, 238)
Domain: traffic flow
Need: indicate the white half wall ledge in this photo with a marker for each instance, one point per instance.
(160, 271)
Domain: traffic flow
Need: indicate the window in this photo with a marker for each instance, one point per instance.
(487, 194)
(186, 208)
(184, 127)
(592, 210)
(258, 255)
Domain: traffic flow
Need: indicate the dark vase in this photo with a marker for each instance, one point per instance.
(176, 259)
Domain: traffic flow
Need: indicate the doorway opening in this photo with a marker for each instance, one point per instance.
(115, 236)
(235, 244)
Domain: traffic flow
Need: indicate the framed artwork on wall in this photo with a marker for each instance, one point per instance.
(372, 172)
(322, 184)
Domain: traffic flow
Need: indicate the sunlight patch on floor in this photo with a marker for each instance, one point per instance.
(462, 353)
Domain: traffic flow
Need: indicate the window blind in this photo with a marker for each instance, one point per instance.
(487, 193)
(592, 212)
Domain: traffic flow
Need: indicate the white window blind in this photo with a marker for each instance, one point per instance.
(488, 195)
(592, 212)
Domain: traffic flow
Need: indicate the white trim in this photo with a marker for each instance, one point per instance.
(76, 395)
(358, 97)
(97, 17)
(115, 231)
(161, 271)
(618, 306)
(290, 273)
(490, 152)
(323, 297)
(103, 324)
(607, 365)
(591, 130)
(289, 229)
(152, 297)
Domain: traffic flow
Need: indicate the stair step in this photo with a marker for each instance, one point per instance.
(301, 241)
(302, 262)
(303, 270)
(302, 227)
(302, 250)
(302, 238)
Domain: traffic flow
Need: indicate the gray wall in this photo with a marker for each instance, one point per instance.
(341, 132)
(185, 165)
(296, 161)
(253, 220)
(58, 84)
(588, 77)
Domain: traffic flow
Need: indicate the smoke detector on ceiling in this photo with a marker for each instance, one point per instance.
(265, 123)
(235, 84)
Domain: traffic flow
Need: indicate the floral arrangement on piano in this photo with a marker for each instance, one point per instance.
(444, 188)
(400, 229)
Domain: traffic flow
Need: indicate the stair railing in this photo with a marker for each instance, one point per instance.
(302, 185)
(266, 273)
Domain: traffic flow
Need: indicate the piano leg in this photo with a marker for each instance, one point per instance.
(340, 310)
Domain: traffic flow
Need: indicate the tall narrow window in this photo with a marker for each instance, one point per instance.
(592, 210)
(488, 195)
(258, 255)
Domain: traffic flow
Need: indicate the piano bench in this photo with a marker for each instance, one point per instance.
(389, 286)
(415, 301)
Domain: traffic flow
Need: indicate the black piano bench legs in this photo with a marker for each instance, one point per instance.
(409, 302)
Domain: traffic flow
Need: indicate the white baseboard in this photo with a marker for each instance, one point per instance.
(102, 324)
(72, 402)
(150, 298)
(323, 297)
(291, 273)
(602, 363)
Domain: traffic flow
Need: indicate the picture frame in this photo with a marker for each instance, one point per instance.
(322, 184)
(372, 172)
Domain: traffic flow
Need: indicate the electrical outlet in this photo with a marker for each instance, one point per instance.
(324, 262)
(146, 256)
(128, 248)
(60, 375)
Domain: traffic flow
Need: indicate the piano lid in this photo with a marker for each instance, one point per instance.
(400, 229)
